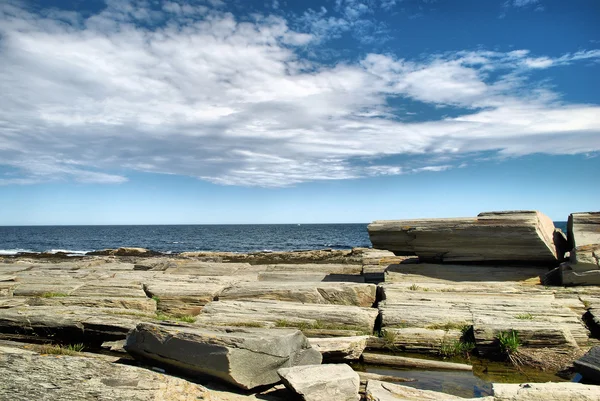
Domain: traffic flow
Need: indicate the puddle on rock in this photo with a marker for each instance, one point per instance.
(464, 384)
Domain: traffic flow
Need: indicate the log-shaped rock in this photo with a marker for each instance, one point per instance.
(524, 237)
(244, 357)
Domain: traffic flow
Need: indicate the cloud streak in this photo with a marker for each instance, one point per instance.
(203, 94)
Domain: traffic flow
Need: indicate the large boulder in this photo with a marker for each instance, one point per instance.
(583, 229)
(27, 375)
(244, 357)
(322, 382)
(519, 237)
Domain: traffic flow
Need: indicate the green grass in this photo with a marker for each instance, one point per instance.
(156, 299)
(185, 318)
(509, 342)
(524, 316)
(71, 349)
(413, 287)
(586, 304)
(54, 294)
(450, 349)
(389, 338)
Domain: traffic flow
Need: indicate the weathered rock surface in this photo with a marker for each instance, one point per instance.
(583, 268)
(271, 313)
(545, 392)
(340, 348)
(541, 319)
(382, 391)
(29, 376)
(502, 237)
(583, 229)
(322, 382)
(183, 298)
(244, 357)
(78, 324)
(316, 293)
(307, 277)
(589, 365)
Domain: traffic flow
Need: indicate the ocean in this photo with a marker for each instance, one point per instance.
(182, 238)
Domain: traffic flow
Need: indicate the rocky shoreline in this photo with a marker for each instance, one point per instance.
(134, 324)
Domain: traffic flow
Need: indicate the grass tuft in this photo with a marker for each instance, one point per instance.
(413, 287)
(54, 294)
(524, 316)
(71, 349)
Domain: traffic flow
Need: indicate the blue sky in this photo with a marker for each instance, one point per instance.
(217, 111)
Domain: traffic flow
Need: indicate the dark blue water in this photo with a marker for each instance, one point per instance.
(181, 238)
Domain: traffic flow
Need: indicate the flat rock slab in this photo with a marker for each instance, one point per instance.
(145, 305)
(540, 318)
(244, 357)
(293, 314)
(322, 382)
(305, 277)
(28, 376)
(340, 348)
(329, 268)
(545, 392)
(583, 229)
(458, 274)
(183, 298)
(503, 237)
(78, 324)
(382, 391)
(208, 269)
(589, 365)
(316, 293)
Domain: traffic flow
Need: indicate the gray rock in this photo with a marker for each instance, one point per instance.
(322, 382)
(340, 348)
(589, 365)
(244, 357)
(183, 298)
(583, 229)
(317, 293)
(28, 376)
(382, 391)
(545, 392)
(77, 324)
(320, 316)
(501, 237)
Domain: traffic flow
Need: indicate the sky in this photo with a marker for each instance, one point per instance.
(273, 111)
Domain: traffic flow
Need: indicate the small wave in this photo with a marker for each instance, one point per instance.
(13, 251)
(67, 251)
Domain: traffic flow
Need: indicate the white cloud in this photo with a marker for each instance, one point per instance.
(233, 102)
